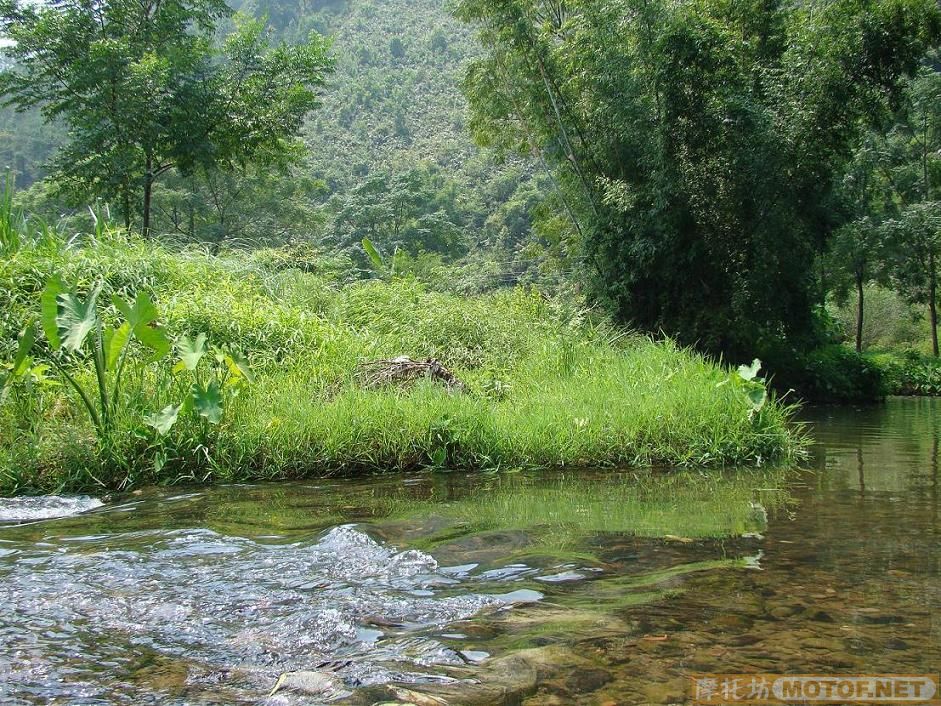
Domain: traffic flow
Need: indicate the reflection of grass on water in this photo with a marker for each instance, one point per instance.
(556, 511)
(565, 509)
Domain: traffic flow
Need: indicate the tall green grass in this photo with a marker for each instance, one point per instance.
(549, 385)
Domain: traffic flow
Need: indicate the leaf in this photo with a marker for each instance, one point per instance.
(373, 254)
(749, 373)
(190, 352)
(757, 397)
(77, 318)
(27, 340)
(115, 342)
(142, 313)
(208, 402)
(238, 366)
(439, 456)
(49, 311)
(154, 338)
(142, 317)
(164, 420)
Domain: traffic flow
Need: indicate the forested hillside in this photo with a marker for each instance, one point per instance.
(388, 155)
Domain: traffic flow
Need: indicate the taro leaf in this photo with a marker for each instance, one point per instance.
(757, 396)
(373, 254)
(749, 372)
(77, 318)
(163, 420)
(143, 311)
(49, 311)
(142, 317)
(191, 352)
(208, 402)
(154, 338)
(439, 456)
(238, 366)
(115, 342)
(27, 339)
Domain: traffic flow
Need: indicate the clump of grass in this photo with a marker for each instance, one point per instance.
(548, 385)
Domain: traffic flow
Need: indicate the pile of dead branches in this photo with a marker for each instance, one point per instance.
(403, 370)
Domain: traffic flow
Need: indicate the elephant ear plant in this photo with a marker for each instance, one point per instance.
(211, 386)
(75, 332)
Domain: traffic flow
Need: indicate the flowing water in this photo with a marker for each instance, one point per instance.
(577, 588)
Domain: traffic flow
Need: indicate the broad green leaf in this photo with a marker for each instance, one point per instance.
(143, 311)
(238, 366)
(164, 420)
(757, 398)
(154, 338)
(38, 373)
(27, 339)
(77, 318)
(49, 311)
(191, 352)
(115, 342)
(749, 372)
(373, 254)
(142, 317)
(208, 402)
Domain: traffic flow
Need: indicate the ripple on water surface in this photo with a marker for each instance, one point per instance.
(44, 508)
(231, 612)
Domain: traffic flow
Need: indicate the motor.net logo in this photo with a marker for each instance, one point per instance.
(761, 689)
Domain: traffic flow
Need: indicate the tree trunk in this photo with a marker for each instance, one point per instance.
(148, 193)
(933, 302)
(859, 312)
(126, 205)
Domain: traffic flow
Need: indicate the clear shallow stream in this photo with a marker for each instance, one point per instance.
(576, 588)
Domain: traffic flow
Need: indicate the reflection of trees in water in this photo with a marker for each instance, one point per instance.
(883, 448)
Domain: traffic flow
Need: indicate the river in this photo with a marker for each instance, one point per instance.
(602, 588)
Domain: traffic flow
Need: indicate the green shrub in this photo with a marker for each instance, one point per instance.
(831, 373)
(910, 373)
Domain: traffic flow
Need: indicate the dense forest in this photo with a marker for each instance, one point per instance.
(387, 156)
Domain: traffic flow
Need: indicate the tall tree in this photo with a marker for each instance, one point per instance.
(913, 165)
(696, 143)
(143, 89)
(857, 252)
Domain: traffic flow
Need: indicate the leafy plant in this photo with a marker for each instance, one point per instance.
(210, 391)
(751, 386)
(75, 332)
(378, 261)
(22, 368)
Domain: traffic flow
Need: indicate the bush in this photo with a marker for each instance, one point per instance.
(830, 373)
(910, 373)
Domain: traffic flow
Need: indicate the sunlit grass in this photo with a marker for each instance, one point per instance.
(549, 385)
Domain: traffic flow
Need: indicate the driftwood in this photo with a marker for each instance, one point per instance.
(403, 370)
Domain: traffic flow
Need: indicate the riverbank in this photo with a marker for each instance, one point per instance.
(547, 384)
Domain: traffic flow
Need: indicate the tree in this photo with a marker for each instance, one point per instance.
(915, 238)
(415, 210)
(913, 166)
(144, 89)
(857, 249)
(695, 144)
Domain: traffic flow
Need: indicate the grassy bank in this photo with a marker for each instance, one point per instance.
(547, 386)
